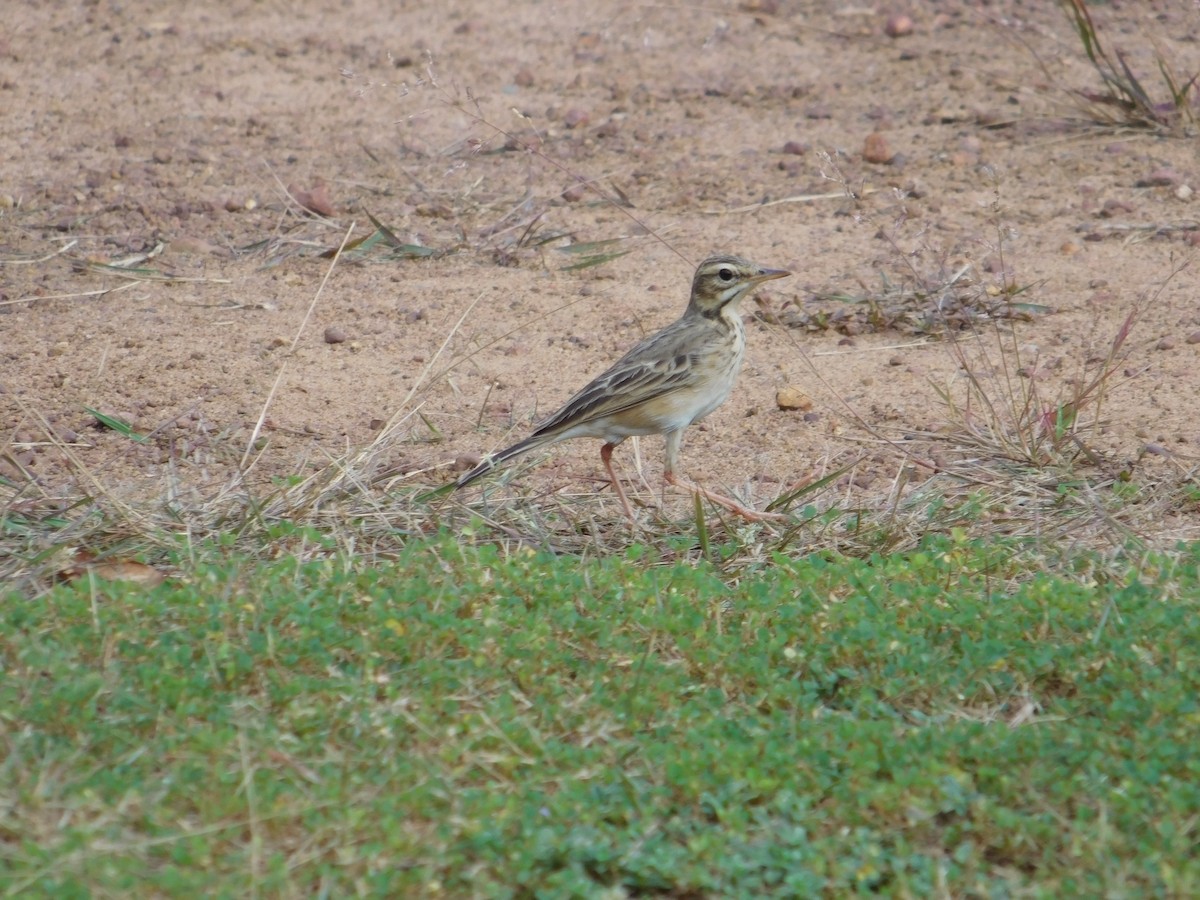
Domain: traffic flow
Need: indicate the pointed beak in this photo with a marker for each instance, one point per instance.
(769, 275)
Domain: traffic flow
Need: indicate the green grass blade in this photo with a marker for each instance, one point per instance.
(115, 423)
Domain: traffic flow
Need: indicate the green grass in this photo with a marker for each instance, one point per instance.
(464, 723)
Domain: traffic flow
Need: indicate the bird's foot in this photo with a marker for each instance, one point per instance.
(729, 503)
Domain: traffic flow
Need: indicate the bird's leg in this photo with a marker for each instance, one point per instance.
(606, 457)
(729, 503)
(674, 439)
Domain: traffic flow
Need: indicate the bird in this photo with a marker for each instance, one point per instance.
(667, 382)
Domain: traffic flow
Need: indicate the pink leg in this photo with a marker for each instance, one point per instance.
(674, 439)
(606, 457)
(729, 503)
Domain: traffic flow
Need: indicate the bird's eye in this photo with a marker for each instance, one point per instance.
(725, 274)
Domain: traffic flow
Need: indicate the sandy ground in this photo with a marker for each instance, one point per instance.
(135, 128)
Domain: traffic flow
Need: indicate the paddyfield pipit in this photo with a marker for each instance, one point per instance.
(667, 382)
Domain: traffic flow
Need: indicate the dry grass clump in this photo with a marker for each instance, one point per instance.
(1169, 105)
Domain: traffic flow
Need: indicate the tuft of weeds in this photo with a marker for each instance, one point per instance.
(1126, 100)
(1012, 456)
(921, 290)
(920, 304)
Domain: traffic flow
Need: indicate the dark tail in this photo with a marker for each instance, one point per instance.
(499, 459)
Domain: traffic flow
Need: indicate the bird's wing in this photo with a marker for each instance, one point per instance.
(650, 370)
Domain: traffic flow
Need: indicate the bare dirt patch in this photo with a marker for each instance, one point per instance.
(215, 156)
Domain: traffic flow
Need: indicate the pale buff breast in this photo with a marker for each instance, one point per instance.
(718, 365)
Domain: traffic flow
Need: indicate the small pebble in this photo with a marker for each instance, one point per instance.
(762, 7)
(792, 398)
(316, 200)
(523, 78)
(876, 150)
(1194, 337)
(574, 193)
(1184, 192)
(1114, 207)
(989, 117)
(795, 148)
(1167, 343)
(898, 25)
(1159, 178)
(334, 335)
(466, 461)
(575, 117)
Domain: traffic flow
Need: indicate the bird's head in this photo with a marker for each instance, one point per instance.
(722, 281)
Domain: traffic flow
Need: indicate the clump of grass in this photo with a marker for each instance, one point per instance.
(1127, 100)
(921, 290)
(1011, 455)
(1005, 411)
(919, 303)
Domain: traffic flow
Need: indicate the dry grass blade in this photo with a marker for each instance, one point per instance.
(257, 430)
(798, 198)
(103, 292)
(36, 260)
